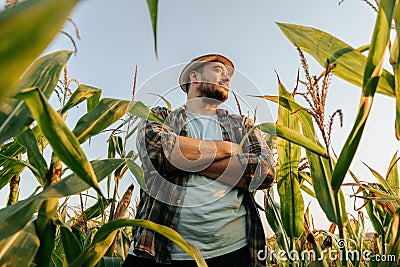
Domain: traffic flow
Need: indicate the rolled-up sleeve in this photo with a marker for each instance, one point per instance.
(256, 159)
(154, 143)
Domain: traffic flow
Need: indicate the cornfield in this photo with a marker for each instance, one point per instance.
(45, 230)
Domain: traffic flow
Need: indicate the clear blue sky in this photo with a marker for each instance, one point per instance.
(117, 35)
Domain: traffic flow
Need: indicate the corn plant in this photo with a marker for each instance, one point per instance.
(352, 66)
(382, 203)
(35, 231)
(319, 164)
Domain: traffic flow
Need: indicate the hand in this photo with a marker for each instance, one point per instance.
(234, 149)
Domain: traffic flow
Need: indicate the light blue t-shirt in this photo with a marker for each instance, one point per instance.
(212, 215)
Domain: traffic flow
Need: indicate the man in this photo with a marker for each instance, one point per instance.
(198, 180)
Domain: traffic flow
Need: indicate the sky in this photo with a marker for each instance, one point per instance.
(117, 35)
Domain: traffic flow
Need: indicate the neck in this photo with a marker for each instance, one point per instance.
(198, 105)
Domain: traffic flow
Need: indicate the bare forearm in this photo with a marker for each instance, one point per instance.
(190, 154)
(227, 170)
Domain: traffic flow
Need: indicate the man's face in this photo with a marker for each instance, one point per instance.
(215, 81)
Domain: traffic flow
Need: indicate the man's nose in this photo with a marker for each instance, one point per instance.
(226, 77)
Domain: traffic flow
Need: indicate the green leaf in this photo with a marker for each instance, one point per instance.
(14, 218)
(11, 150)
(43, 255)
(20, 248)
(292, 204)
(140, 110)
(320, 168)
(28, 140)
(373, 215)
(306, 177)
(72, 246)
(392, 175)
(153, 10)
(394, 245)
(350, 63)
(25, 31)
(298, 111)
(60, 138)
(93, 101)
(10, 168)
(372, 73)
(137, 171)
(169, 106)
(273, 215)
(293, 136)
(308, 190)
(319, 254)
(44, 73)
(110, 154)
(107, 112)
(105, 236)
(72, 184)
(395, 61)
(382, 181)
(110, 262)
(82, 93)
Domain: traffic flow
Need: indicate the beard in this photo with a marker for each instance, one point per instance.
(212, 92)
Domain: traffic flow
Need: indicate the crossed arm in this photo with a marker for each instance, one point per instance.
(211, 158)
(163, 151)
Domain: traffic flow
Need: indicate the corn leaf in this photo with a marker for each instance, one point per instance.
(20, 248)
(382, 182)
(372, 73)
(394, 245)
(395, 58)
(106, 234)
(350, 63)
(107, 112)
(36, 159)
(373, 215)
(60, 138)
(392, 175)
(14, 218)
(137, 171)
(10, 169)
(169, 106)
(72, 184)
(110, 262)
(25, 31)
(46, 237)
(153, 10)
(137, 108)
(273, 215)
(72, 246)
(293, 136)
(321, 172)
(44, 73)
(319, 254)
(82, 93)
(291, 200)
(308, 190)
(11, 150)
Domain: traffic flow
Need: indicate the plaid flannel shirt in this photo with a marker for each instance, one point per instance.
(166, 188)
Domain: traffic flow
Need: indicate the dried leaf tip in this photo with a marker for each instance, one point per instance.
(134, 83)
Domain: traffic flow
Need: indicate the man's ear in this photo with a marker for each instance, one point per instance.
(194, 76)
